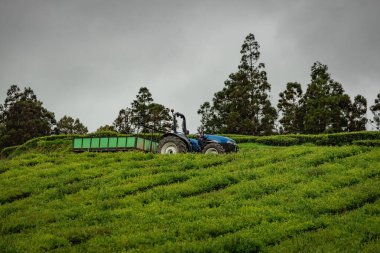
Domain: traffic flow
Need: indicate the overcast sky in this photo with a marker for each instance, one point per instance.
(88, 58)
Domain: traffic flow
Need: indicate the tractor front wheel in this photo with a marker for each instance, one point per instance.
(171, 145)
(213, 148)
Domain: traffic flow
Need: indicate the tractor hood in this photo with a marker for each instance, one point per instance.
(219, 139)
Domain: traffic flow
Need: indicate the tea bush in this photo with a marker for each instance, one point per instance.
(278, 140)
(371, 143)
(264, 198)
(336, 139)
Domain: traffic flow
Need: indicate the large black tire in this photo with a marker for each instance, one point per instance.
(171, 145)
(213, 148)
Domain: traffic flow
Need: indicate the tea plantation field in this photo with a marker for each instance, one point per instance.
(301, 198)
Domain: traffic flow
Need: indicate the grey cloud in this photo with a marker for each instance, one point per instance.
(89, 58)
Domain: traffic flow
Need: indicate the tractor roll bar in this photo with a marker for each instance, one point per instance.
(180, 115)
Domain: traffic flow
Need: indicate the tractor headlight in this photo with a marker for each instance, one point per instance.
(231, 142)
(232, 146)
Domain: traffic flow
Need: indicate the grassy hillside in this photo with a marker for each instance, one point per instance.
(273, 199)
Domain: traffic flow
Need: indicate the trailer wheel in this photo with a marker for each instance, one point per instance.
(171, 145)
(213, 148)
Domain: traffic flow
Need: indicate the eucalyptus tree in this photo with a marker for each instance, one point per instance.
(358, 119)
(326, 106)
(243, 105)
(143, 115)
(375, 109)
(290, 107)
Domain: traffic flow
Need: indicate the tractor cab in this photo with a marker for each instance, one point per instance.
(179, 142)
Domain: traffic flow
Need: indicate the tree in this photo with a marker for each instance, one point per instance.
(140, 109)
(268, 119)
(358, 119)
(315, 100)
(208, 119)
(123, 122)
(290, 106)
(2, 123)
(375, 109)
(326, 107)
(339, 108)
(159, 117)
(243, 105)
(2, 129)
(79, 128)
(23, 117)
(105, 128)
(144, 115)
(67, 125)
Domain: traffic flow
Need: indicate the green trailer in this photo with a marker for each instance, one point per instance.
(109, 144)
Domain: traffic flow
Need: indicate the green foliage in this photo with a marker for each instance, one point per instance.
(243, 106)
(318, 139)
(290, 105)
(243, 138)
(143, 116)
(22, 117)
(370, 143)
(330, 139)
(348, 138)
(375, 109)
(140, 108)
(67, 125)
(40, 144)
(209, 121)
(105, 128)
(358, 118)
(123, 122)
(106, 132)
(326, 106)
(271, 199)
(159, 118)
(5, 152)
(62, 142)
(278, 140)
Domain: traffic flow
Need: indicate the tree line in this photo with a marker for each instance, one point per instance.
(23, 117)
(243, 106)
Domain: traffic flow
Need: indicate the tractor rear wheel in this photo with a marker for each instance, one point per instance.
(213, 148)
(171, 145)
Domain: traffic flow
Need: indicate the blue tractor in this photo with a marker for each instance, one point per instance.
(178, 142)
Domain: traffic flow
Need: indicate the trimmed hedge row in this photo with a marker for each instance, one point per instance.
(243, 138)
(370, 143)
(279, 140)
(336, 139)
